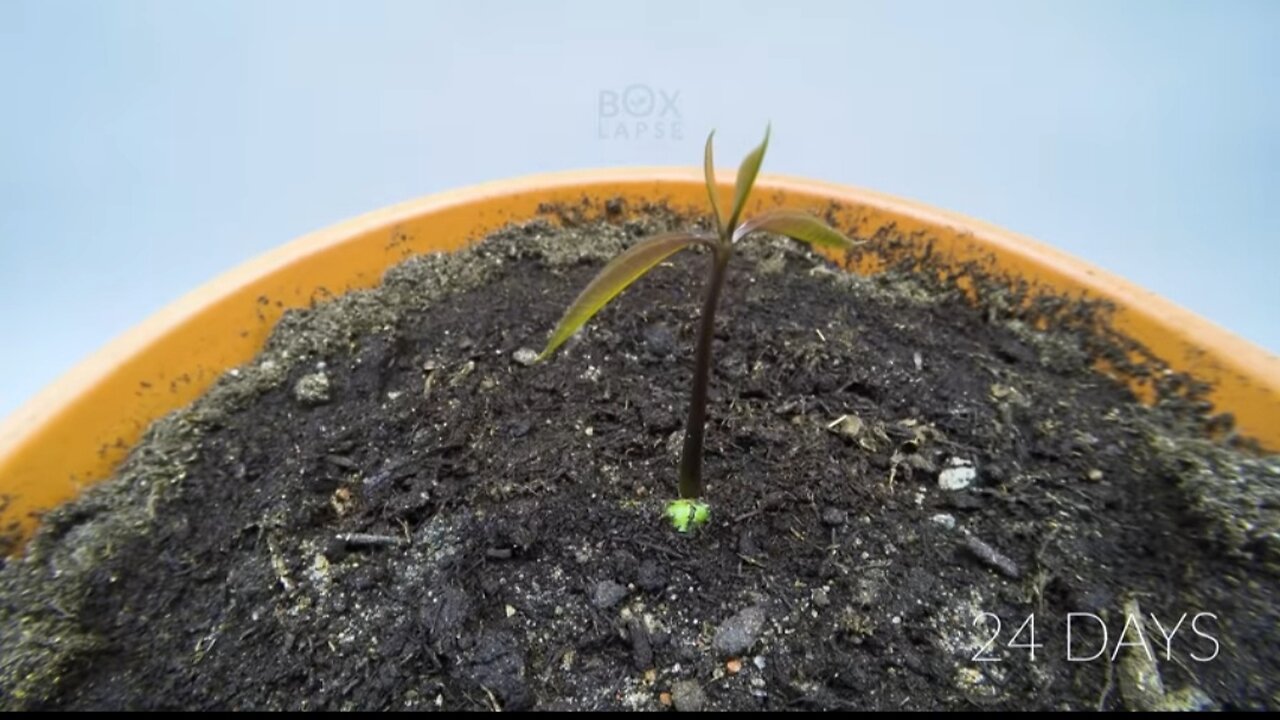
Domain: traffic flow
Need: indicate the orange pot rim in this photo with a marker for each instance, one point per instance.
(50, 424)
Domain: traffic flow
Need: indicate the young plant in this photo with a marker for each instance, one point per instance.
(689, 511)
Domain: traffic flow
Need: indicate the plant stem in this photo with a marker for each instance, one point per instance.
(691, 456)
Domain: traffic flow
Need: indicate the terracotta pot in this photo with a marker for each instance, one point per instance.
(76, 431)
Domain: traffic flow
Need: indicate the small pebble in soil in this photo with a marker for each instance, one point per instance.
(849, 426)
(607, 593)
(659, 340)
(650, 577)
(517, 428)
(958, 475)
(820, 598)
(675, 443)
(945, 520)
(736, 635)
(444, 616)
(312, 389)
(834, 517)
(342, 501)
(525, 356)
(1095, 475)
(921, 462)
(342, 461)
(496, 663)
(687, 696)
(641, 647)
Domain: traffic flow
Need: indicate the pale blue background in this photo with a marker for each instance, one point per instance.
(147, 146)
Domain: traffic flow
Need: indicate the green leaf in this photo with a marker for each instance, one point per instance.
(796, 225)
(614, 278)
(747, 173)
(709, 172)
(686, 515)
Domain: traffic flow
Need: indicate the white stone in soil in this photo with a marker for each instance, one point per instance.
(688, 696)
(959, 475)
(736, 635)
(312, 389)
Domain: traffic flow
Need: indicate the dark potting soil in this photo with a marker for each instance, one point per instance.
(390, 509)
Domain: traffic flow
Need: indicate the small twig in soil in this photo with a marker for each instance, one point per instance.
(991, 556)
(844, 568)
(473, 700)
(664, 550)
(427, 383)
(368, 540)
(555, 658)
(1044, 572)
(1044, 545)
(57, 609)
(980, 702)
(1108, 685)
(823, 406)
(1064, 502)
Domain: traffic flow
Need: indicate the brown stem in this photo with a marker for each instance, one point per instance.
(691, 456)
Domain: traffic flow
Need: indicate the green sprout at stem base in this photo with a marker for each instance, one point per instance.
(686, 515)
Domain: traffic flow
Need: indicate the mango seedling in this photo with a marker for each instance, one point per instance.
(689, 511)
